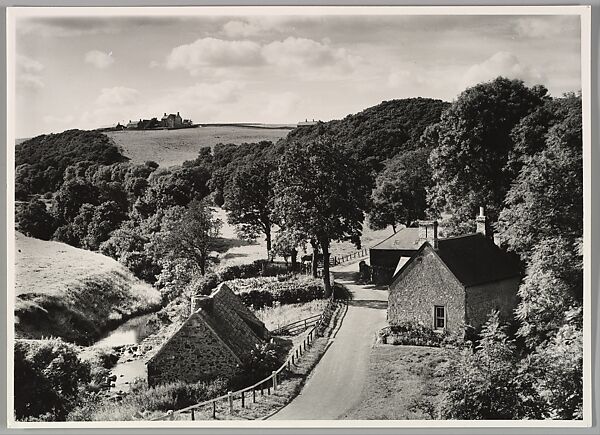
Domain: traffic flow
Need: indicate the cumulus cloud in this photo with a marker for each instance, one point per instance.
(117, 96)
(28, 72)
(99, 59)
(502, 64)
(295, 55)
(302, 52)
(212, 52)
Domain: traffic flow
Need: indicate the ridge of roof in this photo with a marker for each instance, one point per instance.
(473, 259)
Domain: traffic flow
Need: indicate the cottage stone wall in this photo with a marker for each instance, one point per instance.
(483, 299)
(194, 353)
(426, 283)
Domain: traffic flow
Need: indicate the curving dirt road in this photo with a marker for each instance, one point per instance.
(337, 381)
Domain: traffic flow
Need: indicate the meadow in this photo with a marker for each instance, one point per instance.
(173, 147)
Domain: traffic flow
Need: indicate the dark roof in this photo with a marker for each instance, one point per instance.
(405, 239)
(475, 259)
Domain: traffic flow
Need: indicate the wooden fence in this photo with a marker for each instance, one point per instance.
(339, 259)
(251, 393)
(295, 328)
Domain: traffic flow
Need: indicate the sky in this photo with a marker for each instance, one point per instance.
(89, 72)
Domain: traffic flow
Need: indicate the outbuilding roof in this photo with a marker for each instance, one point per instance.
(404, 240)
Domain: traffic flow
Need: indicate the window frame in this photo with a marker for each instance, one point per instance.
(436, 318)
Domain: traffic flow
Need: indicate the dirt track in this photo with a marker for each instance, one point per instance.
(337, 382)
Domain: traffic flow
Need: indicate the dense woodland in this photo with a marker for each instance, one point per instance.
(500, 144)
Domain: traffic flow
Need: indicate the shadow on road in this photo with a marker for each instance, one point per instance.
(379, 305)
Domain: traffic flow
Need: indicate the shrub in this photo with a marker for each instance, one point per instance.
(414, 334)
(49, 378)
(33, 220)
(142, 399)
(261, 292)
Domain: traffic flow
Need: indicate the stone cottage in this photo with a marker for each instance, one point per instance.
(211, 343)
(454, 282)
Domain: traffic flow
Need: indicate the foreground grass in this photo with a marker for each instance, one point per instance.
(402, 384)
(72, 293)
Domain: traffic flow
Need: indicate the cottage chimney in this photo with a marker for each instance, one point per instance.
(428, 232)
(200, 301)
(177, 113)
(481, 222)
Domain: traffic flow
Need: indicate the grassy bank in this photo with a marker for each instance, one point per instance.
(72, 293)
(402, 384)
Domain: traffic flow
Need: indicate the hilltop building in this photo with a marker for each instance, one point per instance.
(171, 120)
(307, 123)
(454, 282)
(211, 343)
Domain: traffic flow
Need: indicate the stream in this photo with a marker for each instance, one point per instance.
(133, 331)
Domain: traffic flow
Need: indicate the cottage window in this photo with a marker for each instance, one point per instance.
(439, 317)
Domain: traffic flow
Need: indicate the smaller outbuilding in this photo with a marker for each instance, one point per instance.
(397, 249)
(456, 282)
(213, 342)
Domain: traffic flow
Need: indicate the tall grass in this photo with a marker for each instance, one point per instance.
(281, 315)
(142, 401)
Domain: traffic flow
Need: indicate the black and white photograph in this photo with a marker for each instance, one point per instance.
(298, 216)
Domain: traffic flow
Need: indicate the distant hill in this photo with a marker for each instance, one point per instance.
(379, 132)
(72, 293)
(42, 160)
(173, 147)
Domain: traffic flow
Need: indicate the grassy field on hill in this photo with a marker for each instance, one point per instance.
(173, 147)
(73, 293)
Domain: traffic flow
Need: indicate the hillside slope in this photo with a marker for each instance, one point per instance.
(379, 132)
(73, 293)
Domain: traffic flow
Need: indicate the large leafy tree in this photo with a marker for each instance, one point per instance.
(318, 193)
(399, 196)
(473, 146)
(190, 236)
(546, 199)
(249, 199)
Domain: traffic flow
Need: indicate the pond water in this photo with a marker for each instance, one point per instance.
(132, 331)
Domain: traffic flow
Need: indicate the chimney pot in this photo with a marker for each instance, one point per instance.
(200, 301)
(428, 232)
(481, 223)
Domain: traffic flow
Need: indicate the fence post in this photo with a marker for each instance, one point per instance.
(274, 380)
(243, 400)
(305, 325)
(230, 398)
(253, 395)
(193, 416)
(214, 410)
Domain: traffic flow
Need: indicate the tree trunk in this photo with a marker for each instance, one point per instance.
(315, 257)
(268, 235)
(202, 265)
(326, 278)
(294, 259)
